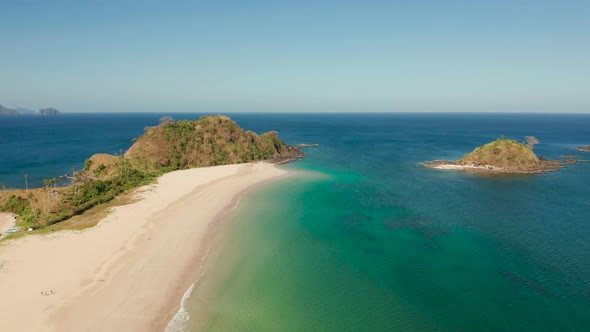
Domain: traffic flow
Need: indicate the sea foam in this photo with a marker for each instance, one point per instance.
(178, 323)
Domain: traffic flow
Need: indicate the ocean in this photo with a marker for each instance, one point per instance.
(361, 237)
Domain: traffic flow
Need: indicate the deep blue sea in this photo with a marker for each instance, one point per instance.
(362, 237)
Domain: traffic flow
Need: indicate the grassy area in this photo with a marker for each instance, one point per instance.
(85, 220)
(43, 208)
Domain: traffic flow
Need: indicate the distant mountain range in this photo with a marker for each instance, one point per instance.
(26, 111)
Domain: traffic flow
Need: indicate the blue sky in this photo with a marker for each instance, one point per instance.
(228, 56)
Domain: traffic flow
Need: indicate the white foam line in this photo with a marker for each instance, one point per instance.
(178, 323)
(237, 204)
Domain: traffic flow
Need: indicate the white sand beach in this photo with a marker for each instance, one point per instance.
(130, 271)
(486, 168)
(6, 221)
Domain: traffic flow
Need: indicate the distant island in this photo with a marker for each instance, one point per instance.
(584, 148)
(49, 111)
(502, 156)
(172, 145)
(26, 111)
(7, 111)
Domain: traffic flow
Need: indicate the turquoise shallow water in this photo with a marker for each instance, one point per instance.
(363, 238)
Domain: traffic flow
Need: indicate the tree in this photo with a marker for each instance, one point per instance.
(33, 209)
(4, 187)
(531, 141)
(165, 120)
(47, 184)
(76, 177)
(48, 194)
(50, 183)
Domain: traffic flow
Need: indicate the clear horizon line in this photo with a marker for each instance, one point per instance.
(328, 112)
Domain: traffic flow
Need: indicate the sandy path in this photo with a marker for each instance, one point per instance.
(6, 222)
(129, 272)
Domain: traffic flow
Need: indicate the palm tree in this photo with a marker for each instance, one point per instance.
(74, 183)
(47, 184)
(53, 182)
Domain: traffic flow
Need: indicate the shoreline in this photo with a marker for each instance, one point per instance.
(177, 321)
(127, 275)
(545, 167)
(450, 166)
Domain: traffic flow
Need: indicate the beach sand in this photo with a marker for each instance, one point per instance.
(129, 272)
(485, 168)
(6, 221)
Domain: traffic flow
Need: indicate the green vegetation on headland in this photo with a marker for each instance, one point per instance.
(24, 111)
(502, 156)
(209, 141)
(503, 153)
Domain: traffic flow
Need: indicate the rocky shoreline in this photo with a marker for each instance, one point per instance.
(545, 166)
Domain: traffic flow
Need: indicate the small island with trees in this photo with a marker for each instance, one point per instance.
(502, 156)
